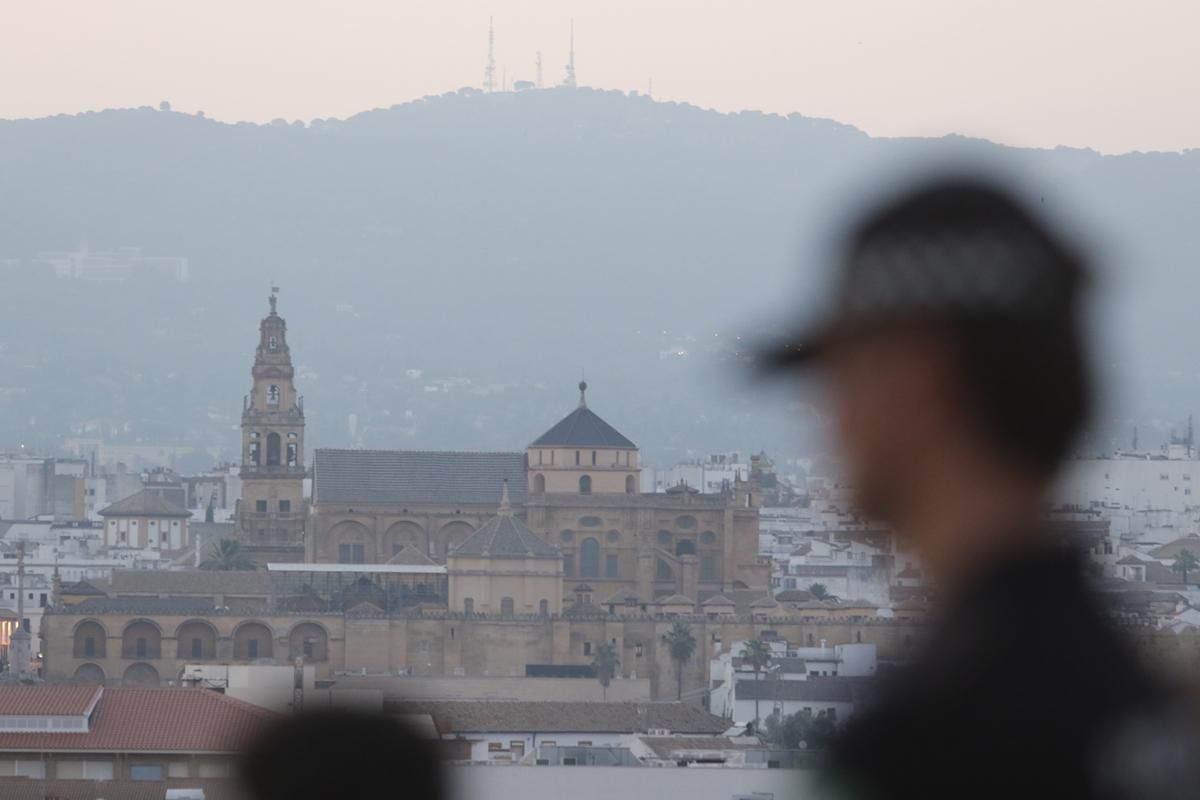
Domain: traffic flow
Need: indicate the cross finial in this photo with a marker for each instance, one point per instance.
(505, 506)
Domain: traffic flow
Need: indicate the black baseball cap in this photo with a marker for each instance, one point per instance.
(947, 249)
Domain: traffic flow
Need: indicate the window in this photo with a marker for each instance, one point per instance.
(146, 772)
(585, 743)
(273, 395)
(468, 605)
(139, 647)
(29, 769)
(568, 566)
(252, 648)
(540, 452)
(593, 458)
(309, 648)
(589, 558)
(273, 446)
(292, 457)
(630, 485)
(585, 484)
(272, 342)
(260, 506)
(506, 606)
(662, 571)
(708, 570)
(587, 648)
(285, 506)
(197, 648)
(253, 456)
(577, 458)
(352, 553)
(611, 566)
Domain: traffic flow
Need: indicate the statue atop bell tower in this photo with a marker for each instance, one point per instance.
(271, 513)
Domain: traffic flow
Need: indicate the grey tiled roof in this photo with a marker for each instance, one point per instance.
(583, 428)
(562, 717)
(190, 582)
(416, 476)
(504, 536)
(144, 504)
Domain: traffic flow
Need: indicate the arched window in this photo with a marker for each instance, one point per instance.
(539, 484)
(685, 547)
(506, 606)
(253, 454)
(292, 455)
(585, 484)
(468, 605)
(630, 485)
(544, 608)
(589, 558)
(273, 447)
(272, 395)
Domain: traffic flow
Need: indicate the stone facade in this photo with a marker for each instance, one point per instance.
(417, 643)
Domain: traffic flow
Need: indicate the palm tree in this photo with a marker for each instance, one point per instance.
(757, 654)
(681, 644)
(818, 591)
(605, 663)
(1185, 562)
(226, 555)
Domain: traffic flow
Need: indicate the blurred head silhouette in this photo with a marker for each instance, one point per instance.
(338, 753)
(955, 367)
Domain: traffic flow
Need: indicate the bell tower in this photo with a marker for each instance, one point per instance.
(271, 513)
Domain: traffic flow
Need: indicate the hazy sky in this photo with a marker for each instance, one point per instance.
(1110, 75)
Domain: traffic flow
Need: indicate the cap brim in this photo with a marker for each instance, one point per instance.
(800, 351)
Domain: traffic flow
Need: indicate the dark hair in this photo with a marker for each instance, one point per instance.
(1025, 374)
(340, 753)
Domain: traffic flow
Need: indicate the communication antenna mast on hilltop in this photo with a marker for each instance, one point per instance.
(569, 81)
(489, 72)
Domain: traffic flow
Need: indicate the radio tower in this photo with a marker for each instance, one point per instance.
(538, 61)
(569, 81)
(489, 72)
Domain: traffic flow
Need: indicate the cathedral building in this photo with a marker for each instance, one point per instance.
(272, 512)
(575, 487)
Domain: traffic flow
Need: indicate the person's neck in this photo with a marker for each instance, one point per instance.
(963, 516)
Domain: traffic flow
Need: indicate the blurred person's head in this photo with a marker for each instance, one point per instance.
(957, 376)
(341, 753)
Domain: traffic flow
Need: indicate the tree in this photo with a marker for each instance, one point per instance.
(1185, 562)
(227, 555)
(757, 654)
(818, 591)
(605, 663)
(681, 644)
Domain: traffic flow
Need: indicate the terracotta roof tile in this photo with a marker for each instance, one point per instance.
(17, 700)
(135, 719)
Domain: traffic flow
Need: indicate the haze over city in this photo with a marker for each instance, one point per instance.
(543, 400)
